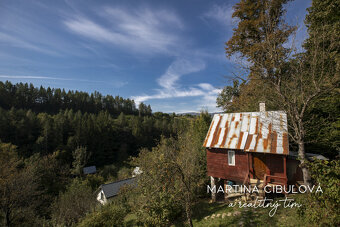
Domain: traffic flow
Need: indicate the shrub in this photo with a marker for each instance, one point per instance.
(112, 214)
(124, 173)
(73, 204)
(108, 172)
(323, 208)
(94, 181)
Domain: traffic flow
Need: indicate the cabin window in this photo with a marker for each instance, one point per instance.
(231, 158)
(101, 195)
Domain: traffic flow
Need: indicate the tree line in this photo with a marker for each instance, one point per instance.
(52, 100)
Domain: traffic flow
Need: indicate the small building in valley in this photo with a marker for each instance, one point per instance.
(89, 170)
(108, 191)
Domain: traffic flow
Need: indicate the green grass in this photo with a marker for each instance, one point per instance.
(130, 220)
(247, 216)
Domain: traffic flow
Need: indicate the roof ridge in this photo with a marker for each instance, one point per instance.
(118, 181)
(253, 112)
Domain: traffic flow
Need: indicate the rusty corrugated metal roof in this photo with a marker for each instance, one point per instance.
(264, 132)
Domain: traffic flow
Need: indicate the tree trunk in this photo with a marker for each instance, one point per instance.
(7, 219)
(302, 156)
(188, 211)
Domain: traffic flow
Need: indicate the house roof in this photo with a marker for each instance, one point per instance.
(113, 188)
(89, 170)
(264, 132)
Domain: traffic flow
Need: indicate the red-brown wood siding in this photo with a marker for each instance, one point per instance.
(217, 164)
(275, 164)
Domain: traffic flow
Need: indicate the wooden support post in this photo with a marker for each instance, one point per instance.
(213, 184)
(285, 168)
(248, 169)
(225, 182)
(266, 162)
(251, 165)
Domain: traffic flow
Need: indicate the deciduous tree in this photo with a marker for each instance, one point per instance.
(18, 187)
(294, 79)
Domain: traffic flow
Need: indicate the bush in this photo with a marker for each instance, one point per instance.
(94, 181)
(124, 173)
(155, 199)
(323, 208)
(73, 204)
(108, 172)
(112, 214)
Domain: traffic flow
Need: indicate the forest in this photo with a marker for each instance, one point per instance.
(53, 100)
(110, 128)
(47, 135)
(50, 135)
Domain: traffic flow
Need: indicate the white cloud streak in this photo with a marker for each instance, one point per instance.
(220, 13)
(17, 42)
(170, 88)
(141, 30)
(177, 69)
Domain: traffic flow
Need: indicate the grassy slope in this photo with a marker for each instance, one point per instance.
(247, 216)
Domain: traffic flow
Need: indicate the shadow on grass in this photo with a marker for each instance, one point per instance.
(204, 208)
(249, 218)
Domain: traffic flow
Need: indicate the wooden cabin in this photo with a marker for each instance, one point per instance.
(242, 147)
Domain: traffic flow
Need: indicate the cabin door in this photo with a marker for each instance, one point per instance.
(259, 165)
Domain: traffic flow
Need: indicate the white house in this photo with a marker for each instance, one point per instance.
(110, 190)
(136, 171)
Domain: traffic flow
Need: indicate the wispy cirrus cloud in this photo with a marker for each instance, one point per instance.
(143, 30)
(171, 88)
(18, 42)
(220, 13)
(177, 69)
(23, 28)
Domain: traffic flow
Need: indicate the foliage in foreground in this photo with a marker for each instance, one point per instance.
(173, 173)
(74, 203)
(109, 215)
(323, 208)
(18, 188)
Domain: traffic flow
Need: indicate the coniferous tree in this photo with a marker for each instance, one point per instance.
(80, 159)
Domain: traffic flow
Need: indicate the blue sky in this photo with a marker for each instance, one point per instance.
(169, 54)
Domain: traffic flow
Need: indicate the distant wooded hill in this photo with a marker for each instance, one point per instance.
(46, 121)
(52, 100)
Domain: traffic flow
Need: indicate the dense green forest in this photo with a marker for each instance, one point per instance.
(51, 100)
(111, 129)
